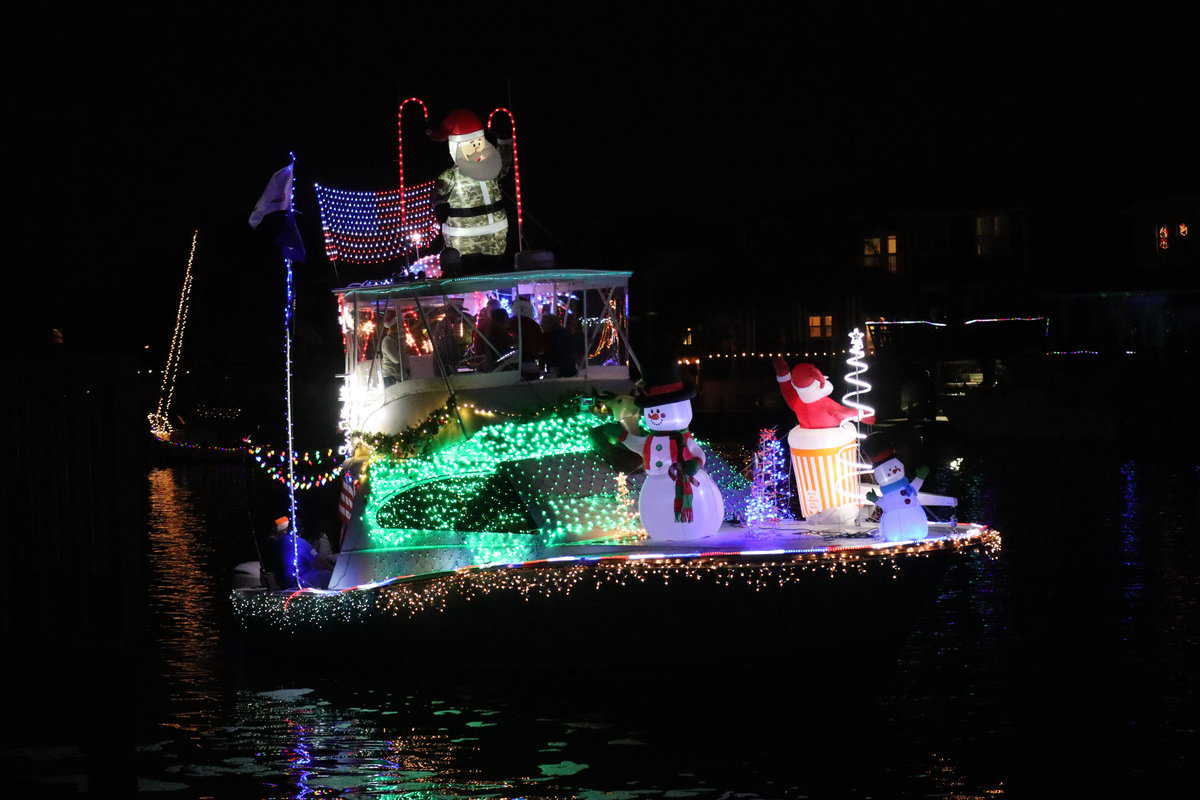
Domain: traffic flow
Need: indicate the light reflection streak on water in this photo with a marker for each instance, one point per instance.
(182, 595)
(300, 758)
(1133, 577)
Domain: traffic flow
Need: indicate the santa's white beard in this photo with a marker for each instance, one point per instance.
(481, 166)
(814, 391)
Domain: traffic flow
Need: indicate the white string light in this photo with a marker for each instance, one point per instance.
(160, 420)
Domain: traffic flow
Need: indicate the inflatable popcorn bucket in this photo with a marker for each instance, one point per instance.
(824, 463)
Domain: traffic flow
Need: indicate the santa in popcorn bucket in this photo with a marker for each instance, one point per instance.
(823, 445)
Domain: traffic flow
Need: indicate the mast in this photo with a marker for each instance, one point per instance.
(288, 311)
(160, 420)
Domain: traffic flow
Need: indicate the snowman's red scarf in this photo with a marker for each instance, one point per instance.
(683, 467)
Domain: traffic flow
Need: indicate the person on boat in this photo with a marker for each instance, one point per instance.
(469, 201)
(499, 333)
(445, 341)
(297, 556)
(530, 338)
(558, 351)
(391, 349)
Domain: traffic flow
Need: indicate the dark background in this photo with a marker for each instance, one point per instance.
(642, 126)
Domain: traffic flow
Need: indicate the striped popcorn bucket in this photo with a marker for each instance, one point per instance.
(823, 461)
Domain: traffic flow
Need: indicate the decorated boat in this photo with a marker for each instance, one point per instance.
(514, 469)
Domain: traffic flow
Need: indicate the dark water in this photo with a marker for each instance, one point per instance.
(1066, 666)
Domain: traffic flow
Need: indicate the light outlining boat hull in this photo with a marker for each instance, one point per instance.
(650, 602)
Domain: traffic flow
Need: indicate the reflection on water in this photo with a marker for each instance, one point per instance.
(941, 726)
(182, 595)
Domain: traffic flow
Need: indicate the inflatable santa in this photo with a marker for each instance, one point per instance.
(806, 391)
(823, 445)
(469, 200)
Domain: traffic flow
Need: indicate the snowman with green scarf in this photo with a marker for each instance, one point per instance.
(678, 498)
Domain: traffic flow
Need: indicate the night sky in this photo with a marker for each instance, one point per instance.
(133, 127)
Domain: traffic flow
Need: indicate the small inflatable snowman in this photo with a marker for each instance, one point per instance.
(903, 518)
(678, 499)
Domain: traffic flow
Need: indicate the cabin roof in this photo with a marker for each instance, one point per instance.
(570, 280)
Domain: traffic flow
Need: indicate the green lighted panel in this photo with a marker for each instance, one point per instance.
(457, 488)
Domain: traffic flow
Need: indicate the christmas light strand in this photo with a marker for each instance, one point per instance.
(400, 149)
(376, 227)
(160, 420)
(411, 595)
(769, 499)
(849, 455)
(512, 121)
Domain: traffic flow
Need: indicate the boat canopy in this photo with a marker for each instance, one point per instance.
(524, 282)
(413, 339)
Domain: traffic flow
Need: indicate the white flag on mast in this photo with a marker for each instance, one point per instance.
(276, 197)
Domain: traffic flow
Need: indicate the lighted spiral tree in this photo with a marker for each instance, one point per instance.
(769, 490)
(854, 399)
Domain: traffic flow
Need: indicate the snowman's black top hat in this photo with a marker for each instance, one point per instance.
(663, 384)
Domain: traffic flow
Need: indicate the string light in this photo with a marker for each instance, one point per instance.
(160, 420)
(288, 310)
(512, 121)
(769, 501)
(849, 455)
(413, 595)
(376, 227)
(415, 235)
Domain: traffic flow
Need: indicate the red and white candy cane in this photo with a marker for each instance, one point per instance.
(512, 122)
(400, 145)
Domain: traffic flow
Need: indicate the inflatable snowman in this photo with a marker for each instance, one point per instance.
(903, 518)
(678, 499)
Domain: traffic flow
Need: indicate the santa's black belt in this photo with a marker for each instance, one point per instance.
(477, 211)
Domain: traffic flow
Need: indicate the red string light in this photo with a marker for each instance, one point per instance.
(516, 169)
(400, 144)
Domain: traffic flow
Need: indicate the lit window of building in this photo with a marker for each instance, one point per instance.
(820, 327)
(1183, 230)
(687, 338)
(1164, 237)
(991, 234)
(879, 251)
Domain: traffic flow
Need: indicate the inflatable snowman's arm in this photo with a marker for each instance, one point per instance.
(871, 496)
(633, 442)
(917, 482)
(695, 450)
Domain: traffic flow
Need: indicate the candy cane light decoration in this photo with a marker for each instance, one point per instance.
(400, 144)
(512, 122)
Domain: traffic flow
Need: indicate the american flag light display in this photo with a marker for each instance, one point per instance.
(371, 227)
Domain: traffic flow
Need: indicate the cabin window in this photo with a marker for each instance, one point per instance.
(991, 235)
(881, 251)
(820, 326)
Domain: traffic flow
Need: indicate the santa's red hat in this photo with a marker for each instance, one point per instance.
(458, 126)
(804, 374)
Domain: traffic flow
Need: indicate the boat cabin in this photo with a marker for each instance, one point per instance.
(504, 341)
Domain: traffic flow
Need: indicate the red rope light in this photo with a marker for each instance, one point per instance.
(400, 143)
(516, 169)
